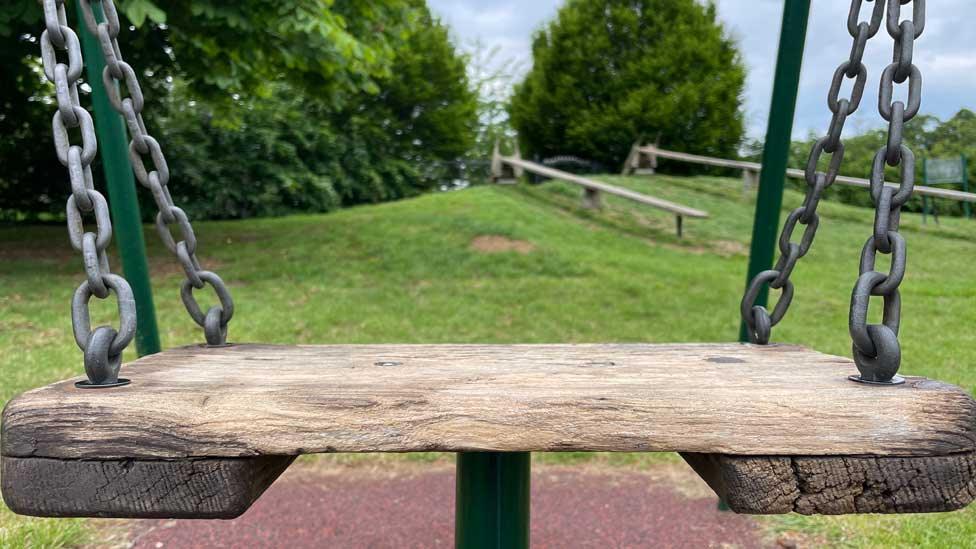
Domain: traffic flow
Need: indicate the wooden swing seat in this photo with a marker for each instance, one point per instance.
(201, 432)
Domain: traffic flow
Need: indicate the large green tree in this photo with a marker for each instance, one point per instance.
(606, 72)
(245, 94)
(290, 151)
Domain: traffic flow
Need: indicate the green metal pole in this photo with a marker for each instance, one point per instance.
(492, 500)
(113, 145)
(966, 206)
(776, 150)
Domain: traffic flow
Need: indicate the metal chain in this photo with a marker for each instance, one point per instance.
(876, 350)
(144, 147)
(758, 320)
(103, 346)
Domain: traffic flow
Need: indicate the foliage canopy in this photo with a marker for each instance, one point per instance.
(262, 107)
(607, 72)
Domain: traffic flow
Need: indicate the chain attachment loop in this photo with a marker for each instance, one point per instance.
(877, 353)
(101, 365)
(145, 149)
(81, 317)
(223, 294)
(757, 319)
(875, 347)
(750, 311)
(102, 347)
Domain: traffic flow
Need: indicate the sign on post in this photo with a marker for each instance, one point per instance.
(946, 170)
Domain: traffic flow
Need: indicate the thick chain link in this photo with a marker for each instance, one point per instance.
(103, 346)
(758, 320)
(143, 147)
(876, 350)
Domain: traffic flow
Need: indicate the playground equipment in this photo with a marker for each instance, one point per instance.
(506, 169)
(201, 431)
(643, 161)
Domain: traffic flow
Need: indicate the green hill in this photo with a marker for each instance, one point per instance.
(513, 264)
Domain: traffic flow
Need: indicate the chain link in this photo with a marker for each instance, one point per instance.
(876, 350)
(143, 149)
(758, 320)
(103, 346)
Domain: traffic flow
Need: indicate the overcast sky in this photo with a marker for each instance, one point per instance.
(945, 53)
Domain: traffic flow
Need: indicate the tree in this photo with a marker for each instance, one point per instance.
(263, 107)
(289, 151)
(427, 106)
(492, 80)
(606, 72)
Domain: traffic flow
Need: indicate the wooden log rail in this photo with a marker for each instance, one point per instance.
(508, 168)
(643, 160)
(202, 431)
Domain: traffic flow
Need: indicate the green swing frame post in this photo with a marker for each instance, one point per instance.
(776, 150)
(123, 200)
(492, 498)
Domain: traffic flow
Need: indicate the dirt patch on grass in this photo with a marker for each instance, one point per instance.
(491, 244)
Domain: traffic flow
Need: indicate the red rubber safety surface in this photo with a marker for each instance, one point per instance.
(569, 509)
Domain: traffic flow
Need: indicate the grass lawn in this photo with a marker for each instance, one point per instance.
(417, 271)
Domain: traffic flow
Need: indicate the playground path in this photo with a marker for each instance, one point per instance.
(414, 507)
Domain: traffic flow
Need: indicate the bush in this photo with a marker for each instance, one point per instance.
(260, 109)
(607, 72)
(288, 152)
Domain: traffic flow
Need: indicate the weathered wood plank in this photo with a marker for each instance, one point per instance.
(839, 485)
(588, 183)
(248, 400)
(191, 488)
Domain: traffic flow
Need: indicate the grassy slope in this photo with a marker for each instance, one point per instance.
(404, 272)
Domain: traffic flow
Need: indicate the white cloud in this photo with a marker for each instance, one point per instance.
(945, 52)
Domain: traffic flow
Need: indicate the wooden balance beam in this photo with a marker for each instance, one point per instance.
(641, 157)
(202, 431)
(507, 169)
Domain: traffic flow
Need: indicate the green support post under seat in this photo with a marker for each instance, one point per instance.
(492, 500)
(113, 147)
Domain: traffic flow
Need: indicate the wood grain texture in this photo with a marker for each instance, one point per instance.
(248, 400)
(191, 488)
(839, 485)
